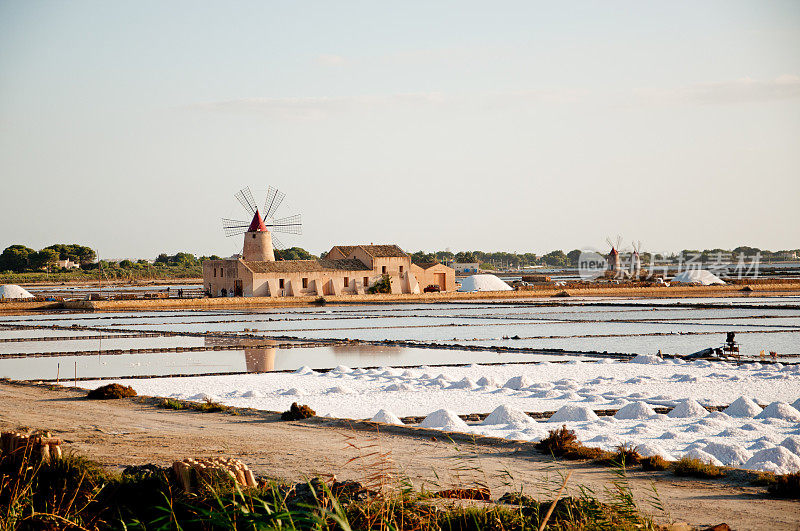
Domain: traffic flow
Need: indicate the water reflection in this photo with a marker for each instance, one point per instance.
(260, 359)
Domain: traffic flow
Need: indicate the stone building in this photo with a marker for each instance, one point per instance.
(345, 270)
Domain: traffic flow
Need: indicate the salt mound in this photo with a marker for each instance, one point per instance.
(728, 454)
(777, 459)
(12, 291)
(792, 443)
(651, 449)
(488, 382)
(705, 457)
(796, 404)
(647, 359)
(780, 410)
(698, 276)
(342, 369)
(518, 382)
(743, 407)
(507, 415)
(571, 412)
(686, 409)
(294, 391)
(386, 417)
(305, 369)
(253, 394)
(444, 419)
(483, 283)
(341, 389)
(465, 383)
(635, 410)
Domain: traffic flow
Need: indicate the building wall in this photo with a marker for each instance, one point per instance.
(318, 283)
(221, 275)
(426, 277)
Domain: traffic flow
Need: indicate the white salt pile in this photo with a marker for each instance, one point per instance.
(792, 443)
(464, 383)
(777, 459)
(487, 382)
(652, 449)
(698, 276)
(445, 420)
(635, 410)
(518, 382)
(305, 369)
(483, 283)
(12, 291)
(780, 410)
(705, 457)
(386, 417)
(508, 415)
(687, 409)
(743, 407)
(728, 454)
(647, 359)
(573, 413)
(796, 404)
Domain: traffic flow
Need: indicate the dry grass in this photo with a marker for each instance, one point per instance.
(206, 406)
(697, 469)
(110, 391)
(298, 412)
(655, 462)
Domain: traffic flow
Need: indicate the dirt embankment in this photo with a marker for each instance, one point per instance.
(133, 431)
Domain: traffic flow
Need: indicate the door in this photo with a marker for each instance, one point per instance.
(237, 288)
(441, 280)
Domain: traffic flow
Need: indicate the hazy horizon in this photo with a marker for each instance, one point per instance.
(520, 126)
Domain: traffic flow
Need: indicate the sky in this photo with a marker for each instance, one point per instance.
(519, 126)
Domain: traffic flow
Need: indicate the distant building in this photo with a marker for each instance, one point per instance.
(787, 255)
(465, 268)
(346, 270)
(67, 264)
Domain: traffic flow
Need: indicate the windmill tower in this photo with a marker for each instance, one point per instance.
(259, 239)
(636, 261)
(613, 256)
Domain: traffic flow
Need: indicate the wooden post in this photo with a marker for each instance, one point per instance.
(58, 371)
(76, 374)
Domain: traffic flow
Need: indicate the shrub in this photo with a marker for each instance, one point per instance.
(206, 406)
(655, 462)
(787, 486)
(384, 285)
(297, 412)
(696, 468)
(558, 441)
(106, 392)
(625, 454)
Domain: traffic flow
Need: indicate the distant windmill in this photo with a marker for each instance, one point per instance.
(636, 261)
(613, 255)
(259, 233)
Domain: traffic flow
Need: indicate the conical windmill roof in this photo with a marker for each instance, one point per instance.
(257, 225)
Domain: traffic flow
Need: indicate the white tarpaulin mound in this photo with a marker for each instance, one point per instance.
(483, 283)
(698, 276)
(12, 291)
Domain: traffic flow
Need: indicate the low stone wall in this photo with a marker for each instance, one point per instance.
(267, 302)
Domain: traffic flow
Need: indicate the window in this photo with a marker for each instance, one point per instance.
(346, 282)
(280, 283)
(305, 282)
(215, 272)
(221, 272)
(401, 269)
(366, 282)
(383, 270)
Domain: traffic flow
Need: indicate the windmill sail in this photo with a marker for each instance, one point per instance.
(285, 225)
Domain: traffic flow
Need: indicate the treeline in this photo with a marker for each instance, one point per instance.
(558, 258)
(20, 258)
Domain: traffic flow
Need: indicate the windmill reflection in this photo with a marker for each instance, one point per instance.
(260, 359)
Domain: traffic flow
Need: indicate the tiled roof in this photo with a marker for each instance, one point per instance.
(426, 265)
(375, 251)
(305, 266)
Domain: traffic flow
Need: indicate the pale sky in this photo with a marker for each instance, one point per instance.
(518, 126)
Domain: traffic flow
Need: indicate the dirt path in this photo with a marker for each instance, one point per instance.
(121, 432)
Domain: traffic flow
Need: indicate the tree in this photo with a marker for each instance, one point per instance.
(555, 258)
(43, 259)
(573, 256)
(127, 264)
(16, 258)
(466, 257)
(293, 253)
(163, 258)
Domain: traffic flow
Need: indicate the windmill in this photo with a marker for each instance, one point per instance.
(636, 261)
(613, 256)
(259, 238)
